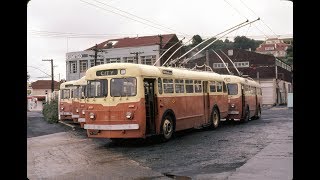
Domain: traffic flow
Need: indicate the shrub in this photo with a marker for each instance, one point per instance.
(50, 111)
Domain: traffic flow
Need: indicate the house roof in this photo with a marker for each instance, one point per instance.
(277, 47)
(135, 41)
(44, 84)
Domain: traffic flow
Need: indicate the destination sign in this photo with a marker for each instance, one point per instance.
(167, 72)
(108, 72)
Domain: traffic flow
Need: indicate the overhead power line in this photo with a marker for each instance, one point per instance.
(152, 22)
(125, 16)
(258, 16)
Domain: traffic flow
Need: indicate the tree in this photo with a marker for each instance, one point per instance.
(289, 57)
(242, 42)
(196, 39)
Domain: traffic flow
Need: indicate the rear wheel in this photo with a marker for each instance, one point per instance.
(246, 115)
(258, 113)
(215, 118)
(167, 128)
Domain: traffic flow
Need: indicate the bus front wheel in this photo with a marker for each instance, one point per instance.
(167, 128)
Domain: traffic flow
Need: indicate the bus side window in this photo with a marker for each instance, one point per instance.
(219, 86)
(189, 86)
(168, 85)
(197, 86)
(160, 85)
(213, 86)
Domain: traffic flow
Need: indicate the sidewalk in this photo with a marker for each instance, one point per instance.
(275, 161)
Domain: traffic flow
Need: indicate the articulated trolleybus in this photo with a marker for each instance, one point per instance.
(78, 102)
(127, 100)
(244, 98)
(65, 100)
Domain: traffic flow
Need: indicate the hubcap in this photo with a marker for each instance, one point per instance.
(167, 128)
(215, 118)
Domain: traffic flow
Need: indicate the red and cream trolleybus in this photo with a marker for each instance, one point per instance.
(78, 103)
(127, 100)
(244, 98)
(65, 101)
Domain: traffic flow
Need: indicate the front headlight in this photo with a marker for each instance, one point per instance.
(62, 108)
(129, 115)
(83, 112)
(92, 115)
(77, 110)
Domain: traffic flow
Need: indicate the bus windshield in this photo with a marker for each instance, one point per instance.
(123, 87)
(232, 89)
(97, 88)
(65, 94)
(76, 92)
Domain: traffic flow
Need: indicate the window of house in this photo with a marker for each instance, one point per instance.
(130, 59)
(179, 85)
(113, 60)
(220, 65)
(189, 86)
(73, 67)
(242, 64)
(269, 48)
(150, 60)
(83, 66)
(99, 61)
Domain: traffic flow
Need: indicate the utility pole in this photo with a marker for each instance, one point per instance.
(137, 53)
(160, 44)
(95, 54)
(96, 50)
(207, 60)
(52, 77)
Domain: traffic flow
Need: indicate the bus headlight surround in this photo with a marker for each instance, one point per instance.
(92, 116)
(129, 115)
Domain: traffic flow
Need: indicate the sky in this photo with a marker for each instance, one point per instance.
(60, 26)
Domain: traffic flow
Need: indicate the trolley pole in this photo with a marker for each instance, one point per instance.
(52, 76)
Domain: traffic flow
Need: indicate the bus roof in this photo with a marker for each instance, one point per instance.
(81, 81)
(151, 71)
(238, 79)
(68, 83)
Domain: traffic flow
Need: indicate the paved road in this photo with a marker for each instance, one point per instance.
(37, 126)
(259, 149)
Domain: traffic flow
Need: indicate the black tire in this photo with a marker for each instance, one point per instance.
(214, 118)
(246, 115)
(258, 113)
(167, 128)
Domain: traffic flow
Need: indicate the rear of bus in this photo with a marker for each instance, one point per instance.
(115, 106)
